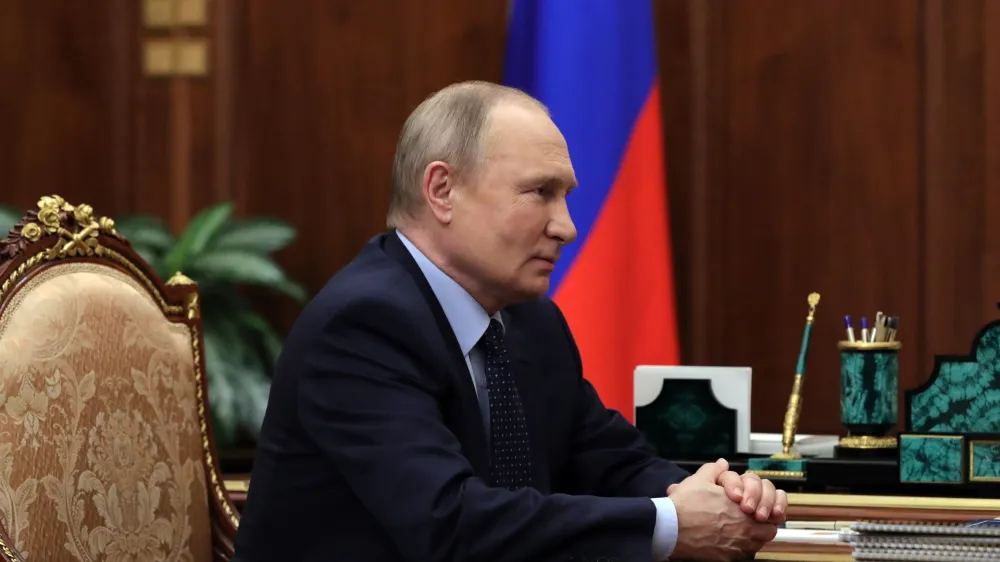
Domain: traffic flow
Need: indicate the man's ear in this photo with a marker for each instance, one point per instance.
(436, 186)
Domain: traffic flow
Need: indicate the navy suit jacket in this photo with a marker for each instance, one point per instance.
(373, 447)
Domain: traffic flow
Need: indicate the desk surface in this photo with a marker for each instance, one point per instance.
(830, 507)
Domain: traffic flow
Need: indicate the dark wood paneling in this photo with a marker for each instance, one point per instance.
(802, 176)
(63, 80)
(323, 89)
(961, 196)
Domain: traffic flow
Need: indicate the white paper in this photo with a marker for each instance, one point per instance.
(809, 536)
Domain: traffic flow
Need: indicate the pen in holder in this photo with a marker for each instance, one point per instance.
(789, 464)
(869, 397)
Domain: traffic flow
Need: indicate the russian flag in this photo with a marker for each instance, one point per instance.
(593, 63)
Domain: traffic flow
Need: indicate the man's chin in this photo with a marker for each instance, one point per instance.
(536, 289)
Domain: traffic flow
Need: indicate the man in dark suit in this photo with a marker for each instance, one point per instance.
(430, 402)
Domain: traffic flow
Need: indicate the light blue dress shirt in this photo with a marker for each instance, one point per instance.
(469, 321)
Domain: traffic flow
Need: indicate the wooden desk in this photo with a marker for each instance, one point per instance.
(846, 507)
(825, 507)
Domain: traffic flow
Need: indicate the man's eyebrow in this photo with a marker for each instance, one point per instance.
(552, 180)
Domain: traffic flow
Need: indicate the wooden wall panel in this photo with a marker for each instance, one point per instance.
(64, 72)
(961, 193)
(801, 177)
(323, 90)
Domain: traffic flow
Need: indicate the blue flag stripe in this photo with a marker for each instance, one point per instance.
(593, 63)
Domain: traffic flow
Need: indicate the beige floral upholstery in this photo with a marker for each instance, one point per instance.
(101, 454)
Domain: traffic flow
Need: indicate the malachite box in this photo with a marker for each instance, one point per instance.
(869, 387)
(962, 395)
(941, 458)
(932, 459)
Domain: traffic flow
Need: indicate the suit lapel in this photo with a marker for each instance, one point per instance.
(474, 445)
(529, 376)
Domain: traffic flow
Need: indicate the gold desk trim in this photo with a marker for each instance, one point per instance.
(804, 557)
(895, 502)
(237, 485)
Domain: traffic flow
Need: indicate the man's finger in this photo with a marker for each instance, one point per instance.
(752, 490)
(767, 496)
(711, 471)
(763, 532)
(780, 510)
(733, 485)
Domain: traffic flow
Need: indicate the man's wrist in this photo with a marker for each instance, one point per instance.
(665, 529)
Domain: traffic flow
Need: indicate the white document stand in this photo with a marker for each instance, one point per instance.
(731, 386)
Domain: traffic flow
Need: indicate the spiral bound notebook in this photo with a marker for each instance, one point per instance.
(976, 528)
(922, 555)
(971, 541)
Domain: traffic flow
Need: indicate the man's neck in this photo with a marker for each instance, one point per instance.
(425, 242)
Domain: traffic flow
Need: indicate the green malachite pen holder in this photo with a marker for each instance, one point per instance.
(869, 396)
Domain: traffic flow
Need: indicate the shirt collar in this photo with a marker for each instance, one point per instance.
(468, 319)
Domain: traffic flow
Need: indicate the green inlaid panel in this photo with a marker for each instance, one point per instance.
(930, 459)
(965, 395)
(869, 387)
(985, 460)
(788, 465)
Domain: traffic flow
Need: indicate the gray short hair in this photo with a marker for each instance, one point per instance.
(450, 125)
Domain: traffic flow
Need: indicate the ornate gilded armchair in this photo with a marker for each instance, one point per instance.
(106, 448)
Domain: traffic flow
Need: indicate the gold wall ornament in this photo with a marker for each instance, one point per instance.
(181, 56)
(162, 14)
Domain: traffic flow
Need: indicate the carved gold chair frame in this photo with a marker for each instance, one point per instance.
(58, 232)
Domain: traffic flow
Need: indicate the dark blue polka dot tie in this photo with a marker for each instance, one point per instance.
(510, 459)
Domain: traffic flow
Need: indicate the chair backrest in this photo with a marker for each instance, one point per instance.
(106, 450)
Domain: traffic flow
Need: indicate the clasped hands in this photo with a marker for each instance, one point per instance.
(722, 515)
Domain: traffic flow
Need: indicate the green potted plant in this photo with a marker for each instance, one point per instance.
(221, 254)
(9, 215)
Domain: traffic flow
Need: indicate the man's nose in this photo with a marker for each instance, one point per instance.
(561, 225)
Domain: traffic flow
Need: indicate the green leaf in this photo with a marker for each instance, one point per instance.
(290, 288)
(252, 397)
(150, 255)
(9, 216)
(221, 393)
(269, 337)
(238, 267)
(197, 237)
(145, 230)
(260, 236)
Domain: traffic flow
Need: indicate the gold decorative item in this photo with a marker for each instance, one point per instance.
(176, 57)
(789, 464)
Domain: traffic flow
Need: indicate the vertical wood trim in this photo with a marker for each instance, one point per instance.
(222, 76)
(180, 152)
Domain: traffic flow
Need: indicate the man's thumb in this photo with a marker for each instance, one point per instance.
(711, 471)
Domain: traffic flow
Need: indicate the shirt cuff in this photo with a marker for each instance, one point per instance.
(665, 529)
